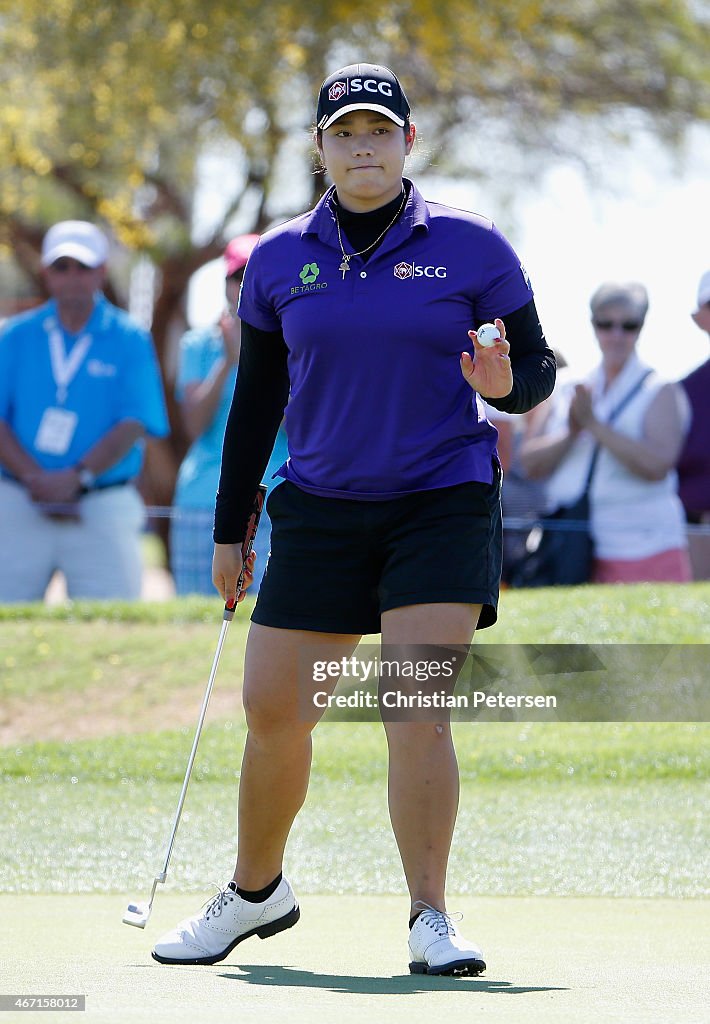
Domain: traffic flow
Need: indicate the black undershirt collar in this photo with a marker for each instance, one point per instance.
(361, 229)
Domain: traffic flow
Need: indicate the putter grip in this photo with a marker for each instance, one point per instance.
(252, 526)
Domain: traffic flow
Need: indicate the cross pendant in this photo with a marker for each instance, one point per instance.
(344, 266)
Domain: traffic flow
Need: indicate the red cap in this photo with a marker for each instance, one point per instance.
(237, 253)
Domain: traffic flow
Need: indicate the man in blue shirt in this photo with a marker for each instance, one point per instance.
(80, 389)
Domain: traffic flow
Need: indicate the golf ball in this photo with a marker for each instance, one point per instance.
(487, 335)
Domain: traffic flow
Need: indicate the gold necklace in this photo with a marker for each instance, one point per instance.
(347, 256)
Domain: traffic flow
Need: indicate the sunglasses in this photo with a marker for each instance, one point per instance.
(63, 266)
(628, 326)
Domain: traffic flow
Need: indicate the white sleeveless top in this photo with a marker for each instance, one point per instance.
(630, 517)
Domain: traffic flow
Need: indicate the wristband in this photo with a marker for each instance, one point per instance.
(87, 479)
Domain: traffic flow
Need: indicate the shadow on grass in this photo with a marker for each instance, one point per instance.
(410, 984)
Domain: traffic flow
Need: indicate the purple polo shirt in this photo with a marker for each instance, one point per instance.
(378, 405)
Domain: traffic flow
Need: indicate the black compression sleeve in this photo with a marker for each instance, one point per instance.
(257, 409)
(533, 363)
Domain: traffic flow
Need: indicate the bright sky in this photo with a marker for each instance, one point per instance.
(659, 236)
(654, 227)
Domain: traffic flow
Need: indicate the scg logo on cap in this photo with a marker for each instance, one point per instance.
(370, 85)
(362, 87)
(337, 91)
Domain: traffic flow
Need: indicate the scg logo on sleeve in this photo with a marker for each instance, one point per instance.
(404, 271)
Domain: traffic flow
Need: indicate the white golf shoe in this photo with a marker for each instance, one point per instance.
(435, 946)
(224, 922)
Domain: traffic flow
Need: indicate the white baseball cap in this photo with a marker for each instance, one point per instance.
(77, 239)
(704, 289)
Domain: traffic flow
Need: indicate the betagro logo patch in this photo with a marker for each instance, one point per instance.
(309, 274)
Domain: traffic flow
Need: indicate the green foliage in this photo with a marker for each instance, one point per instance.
(108, 108)
(109, 104)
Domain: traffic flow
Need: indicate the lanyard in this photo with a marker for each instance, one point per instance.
(64, 367)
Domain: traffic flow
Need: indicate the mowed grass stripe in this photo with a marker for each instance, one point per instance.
(356, 752)
(563, 808)
(566, 837)
(145, 654)
(640, 613)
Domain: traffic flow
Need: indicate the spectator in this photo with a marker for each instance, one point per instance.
(636, 518)
(694, 464)
(79, 390)
(523, 499)
(207, 373)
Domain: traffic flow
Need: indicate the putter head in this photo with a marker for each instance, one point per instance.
(137, 914)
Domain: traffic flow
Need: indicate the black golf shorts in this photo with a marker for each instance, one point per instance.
(336, 564)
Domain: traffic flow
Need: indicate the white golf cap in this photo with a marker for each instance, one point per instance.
(704, 289)
(77, 239)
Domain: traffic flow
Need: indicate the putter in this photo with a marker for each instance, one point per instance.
(137, 914)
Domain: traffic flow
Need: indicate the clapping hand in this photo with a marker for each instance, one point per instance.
(581, 411)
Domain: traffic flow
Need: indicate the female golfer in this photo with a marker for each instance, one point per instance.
(389, 518)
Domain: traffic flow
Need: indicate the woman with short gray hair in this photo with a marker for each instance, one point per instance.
(636, 518)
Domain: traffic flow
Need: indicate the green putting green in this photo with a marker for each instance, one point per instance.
(568, 828)
(549, 960)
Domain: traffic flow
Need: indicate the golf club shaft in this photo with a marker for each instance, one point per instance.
(227, 618)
